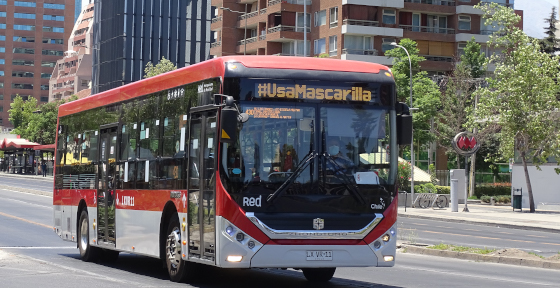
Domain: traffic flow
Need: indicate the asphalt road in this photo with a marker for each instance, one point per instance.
(40, 184)
(435, 232)
(31, 254)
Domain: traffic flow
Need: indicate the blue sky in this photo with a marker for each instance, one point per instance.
(534, 13)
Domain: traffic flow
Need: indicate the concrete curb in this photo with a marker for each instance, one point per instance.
(30, 191)
(34, 177)
(482, 258)
(491, 224)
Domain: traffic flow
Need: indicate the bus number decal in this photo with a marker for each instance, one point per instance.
(175, 93)
(126, 201)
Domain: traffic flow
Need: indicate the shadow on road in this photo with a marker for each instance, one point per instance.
(212, 277)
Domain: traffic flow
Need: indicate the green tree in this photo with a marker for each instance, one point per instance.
(42, 124)
(163, 66)
(521, 98)
(426, 95)
(20, 113)
(550, 43)
(474, 60)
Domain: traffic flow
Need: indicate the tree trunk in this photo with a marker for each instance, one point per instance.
(529, 189)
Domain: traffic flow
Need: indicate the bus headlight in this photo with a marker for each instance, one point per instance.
(230, 230)
(386, 238)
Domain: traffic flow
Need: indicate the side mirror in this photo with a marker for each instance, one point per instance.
(228, 125)
(404, 129)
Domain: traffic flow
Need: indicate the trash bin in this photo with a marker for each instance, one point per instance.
(517, 199)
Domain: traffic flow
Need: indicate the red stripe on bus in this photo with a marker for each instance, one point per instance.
(317, 242)
(389, 219)
(227, 208)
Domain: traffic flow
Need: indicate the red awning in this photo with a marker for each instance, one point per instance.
(16, 144)
(49, 147)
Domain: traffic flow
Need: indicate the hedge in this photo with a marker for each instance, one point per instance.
(499, 199)
(492, 189)
(430, 188)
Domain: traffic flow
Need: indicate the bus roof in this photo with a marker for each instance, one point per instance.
(211, 69)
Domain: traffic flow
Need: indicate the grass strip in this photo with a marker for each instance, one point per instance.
(455, 248)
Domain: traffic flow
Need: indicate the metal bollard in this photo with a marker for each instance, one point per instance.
(454, 195)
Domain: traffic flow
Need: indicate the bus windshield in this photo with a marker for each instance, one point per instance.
(299, 157)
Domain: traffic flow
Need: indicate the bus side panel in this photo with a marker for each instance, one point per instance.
(138, 218)
(57, 212)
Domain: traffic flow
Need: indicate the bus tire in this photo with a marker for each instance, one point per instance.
(176, 266)
(318, 274)
(87, 252)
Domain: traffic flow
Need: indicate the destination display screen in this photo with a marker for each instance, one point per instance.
(274, 113)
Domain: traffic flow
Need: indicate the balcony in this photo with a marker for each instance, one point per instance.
(479, 38)
(371, 56)
(377, 3)
(438, 58)
(248, 40)
(217, 19)
(468, 9)
(367, 27)
(297, 2)
(216, 44)
(248, 15)
(426, 29)
(433, 2)
(286, 28)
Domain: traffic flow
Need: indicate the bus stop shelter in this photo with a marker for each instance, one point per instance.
(19, 156)
(45, 153)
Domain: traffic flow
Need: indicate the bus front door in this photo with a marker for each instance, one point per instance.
(106, 192)
(202, 194)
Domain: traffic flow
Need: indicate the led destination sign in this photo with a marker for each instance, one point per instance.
(295, 91)
(274, 113)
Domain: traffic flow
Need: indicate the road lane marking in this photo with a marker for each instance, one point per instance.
(552, 244)
(505, 233)
(43, 206)
(472, 230)
(30, 193)
(537, 236)
(25, 220)
(463, 235)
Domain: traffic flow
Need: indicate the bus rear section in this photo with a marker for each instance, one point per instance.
(255, 163)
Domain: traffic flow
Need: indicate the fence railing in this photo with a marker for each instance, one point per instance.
(371, 52)
(427, 29)
(434, 2)
(287, 28)
(248, 40)
(217, 19)
(360, 22)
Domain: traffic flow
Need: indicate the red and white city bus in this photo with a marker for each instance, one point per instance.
(236, 162)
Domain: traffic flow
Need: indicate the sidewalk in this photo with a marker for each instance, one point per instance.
(28, 176)
(484, 214)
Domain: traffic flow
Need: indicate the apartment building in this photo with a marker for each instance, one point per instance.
(72, 74)
(32, 39)
(349, 29)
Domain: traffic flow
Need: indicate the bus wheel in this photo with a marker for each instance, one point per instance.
(176, 266)
(318, 274)
(87, 252)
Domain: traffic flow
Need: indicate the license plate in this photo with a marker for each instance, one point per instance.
(319, 255)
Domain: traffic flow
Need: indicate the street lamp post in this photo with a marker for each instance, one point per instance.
(244, 36)
(412, 142)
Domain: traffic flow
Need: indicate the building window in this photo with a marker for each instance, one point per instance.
(295, 48)
(464, 22)
(1, 73)
(300, 23)
(2, 61)
(461, 49)
(22, 74)
(52, 52)
(320, 46)
(321, 18)
(22, 86)
(24, 39)
(24, 15)
(2, 38)
(44, 98)
(3, 26)
(44, 87)
(24, 4)
(1, 108)
(48, 64)
(45, 75)
(2, 14)
(3, 2)
(53, 29)
(361, 45)
(24, 50)
(23, 27)
(386, 45)
(333, 43)
(85, 82)
(389, 16)
(1, 97)
(53, 17)
(2, 49)
(53, 6)
(333, 17)
(22, 62)
(53, 41)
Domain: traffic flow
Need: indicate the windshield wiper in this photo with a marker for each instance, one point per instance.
(301, 166)
(350, 185)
